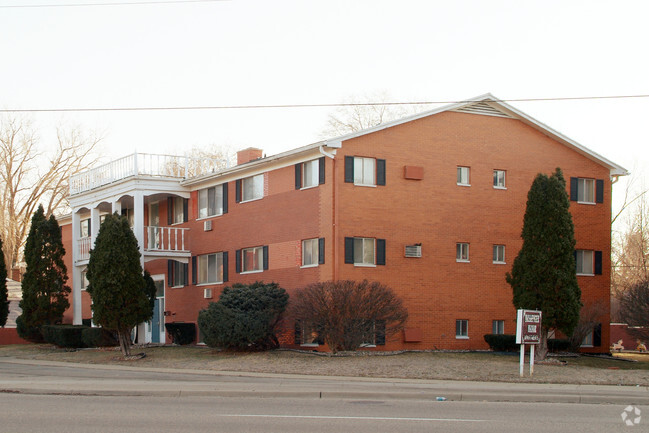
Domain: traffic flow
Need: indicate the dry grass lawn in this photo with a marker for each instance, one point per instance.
(480, 366)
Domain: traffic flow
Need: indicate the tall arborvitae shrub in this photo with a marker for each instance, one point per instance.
(4, 295)
(544, 275)
(121, 296)
(45, 292)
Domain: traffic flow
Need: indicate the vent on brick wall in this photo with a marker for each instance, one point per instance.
(413, 250)
(207, 293)
(207, 225)
(482, 108)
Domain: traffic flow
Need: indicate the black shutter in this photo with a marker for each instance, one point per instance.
(225, 197)
(170, 273)
(238, 190)
(597, 335)
(349, 250)
(298, 332)
(170, 211)
(225, 266)
(186, 272)
(185, 210)
(349, 169)
(379, 332)
(321, 170)
(298, 176)
(380, 171)
(598, 263)
(265, 249)
(574, 188)
(380, 251)
(599, 191)
(194, 271)
(237, 261)
(321, 251)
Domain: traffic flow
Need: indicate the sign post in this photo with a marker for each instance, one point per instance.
(528, 331)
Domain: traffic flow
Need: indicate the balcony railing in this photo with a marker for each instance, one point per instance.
(165, 239)
(84, 249)
(144, 164)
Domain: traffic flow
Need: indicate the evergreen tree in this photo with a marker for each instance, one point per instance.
(121, 296)
(45, 293)
(544, 276)
(4, 295)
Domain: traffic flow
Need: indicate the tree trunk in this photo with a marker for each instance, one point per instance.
(124, 342)
(542, 348)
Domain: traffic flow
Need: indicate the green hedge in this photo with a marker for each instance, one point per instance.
(64, 335)
(98, 337)
(182, 333)
(501, 342)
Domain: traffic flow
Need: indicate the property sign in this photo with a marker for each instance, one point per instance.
(528, 327)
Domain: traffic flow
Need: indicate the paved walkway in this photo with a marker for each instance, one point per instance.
(50, 377)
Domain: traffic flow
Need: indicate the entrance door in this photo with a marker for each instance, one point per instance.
(158, 321)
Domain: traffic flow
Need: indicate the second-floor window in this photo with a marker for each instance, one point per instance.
(250, 188)
(210, 268)
(364, 171)
(499, 179)
(584, 259)
(463, 176)
(462, 252)
(212, 201)
(84, 228)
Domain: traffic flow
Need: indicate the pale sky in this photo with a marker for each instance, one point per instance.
(251, 52)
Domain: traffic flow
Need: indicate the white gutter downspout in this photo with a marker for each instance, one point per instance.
(325, 153)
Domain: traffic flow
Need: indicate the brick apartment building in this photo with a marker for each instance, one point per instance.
(431, 205)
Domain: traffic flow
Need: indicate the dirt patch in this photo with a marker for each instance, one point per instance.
(480, 366)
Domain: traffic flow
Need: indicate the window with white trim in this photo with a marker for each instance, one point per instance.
(310, 249)
(585, 262)
(588, 340)
(497, 326)
(310, 173)
(586, 190)
(210, 268)
(210, 201)
(178, 209)
(462, 252)
(252, 187)
(499, 254)
(307, 333)
(84, 228)
(179, 274)
(499, 179)
(461, 328)
(252, 259)
(364, 251)
(364, 171)
(463, 176)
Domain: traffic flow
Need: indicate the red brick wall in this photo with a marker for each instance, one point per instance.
(10, 336)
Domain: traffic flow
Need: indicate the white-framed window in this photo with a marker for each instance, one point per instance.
(588, 340)
(586, 190)
(252, 187)
(364, 171)
(462, 252)
(310, 252)
(585, 262)
(84, 228)
(310, 173)
(364, 251)
(307, 334)
(178, 210)
(499, 254)
(179, 275)
(210, 201)
(252, 259)
(84, 279)
(463, 176)
(210, 268)
(497, 326)
(461, 328)
(499, 179)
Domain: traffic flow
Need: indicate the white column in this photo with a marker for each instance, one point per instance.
(94, 226)
(138, 222)
(117, 207)
(76, 270)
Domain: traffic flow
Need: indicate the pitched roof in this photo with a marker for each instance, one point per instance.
(489, 105)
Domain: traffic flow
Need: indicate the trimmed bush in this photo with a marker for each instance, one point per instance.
(98, 337)
(64, 335)
(558, 345)
(181, 333)
(501, 342)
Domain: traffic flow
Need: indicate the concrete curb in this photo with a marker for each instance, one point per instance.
(315, 387)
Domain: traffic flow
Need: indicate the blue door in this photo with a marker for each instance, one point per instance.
(158, 320)
(155, 325)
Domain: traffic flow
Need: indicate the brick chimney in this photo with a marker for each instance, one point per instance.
(249, 154)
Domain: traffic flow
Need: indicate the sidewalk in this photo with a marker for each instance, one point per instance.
(51, 377)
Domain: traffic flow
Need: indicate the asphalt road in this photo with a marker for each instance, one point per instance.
(87, 414)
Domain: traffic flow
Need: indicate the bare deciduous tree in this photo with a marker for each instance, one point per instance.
(590, 316)
(31, 176)
(634, 309)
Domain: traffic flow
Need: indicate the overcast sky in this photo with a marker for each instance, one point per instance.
(249, 52)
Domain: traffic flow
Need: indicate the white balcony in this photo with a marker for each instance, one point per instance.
(144, 164)
(84, 249)
(165, 240)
